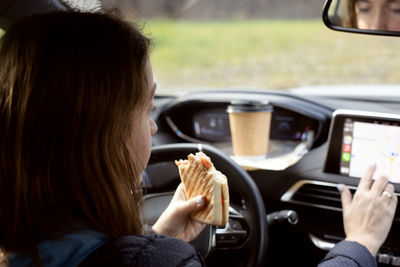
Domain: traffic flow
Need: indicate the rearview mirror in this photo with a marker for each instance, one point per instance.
(380, 17)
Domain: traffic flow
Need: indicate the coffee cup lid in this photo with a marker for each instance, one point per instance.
(237, 106)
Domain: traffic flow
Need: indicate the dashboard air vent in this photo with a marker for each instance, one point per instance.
(315, 194)
(321, 195)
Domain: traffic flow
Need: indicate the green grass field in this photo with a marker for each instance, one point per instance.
(275, 54)
(267, 54)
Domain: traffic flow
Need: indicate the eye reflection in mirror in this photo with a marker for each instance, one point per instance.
(377, 14)
(365, 16)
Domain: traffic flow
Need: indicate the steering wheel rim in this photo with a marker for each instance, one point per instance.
(239, 181)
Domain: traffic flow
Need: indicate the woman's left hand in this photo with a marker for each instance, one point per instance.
(175, 221)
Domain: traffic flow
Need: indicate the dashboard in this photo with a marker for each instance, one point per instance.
(309, 186)
(209, 122)
(202, 117)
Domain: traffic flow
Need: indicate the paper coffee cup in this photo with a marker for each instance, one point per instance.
(250, 123)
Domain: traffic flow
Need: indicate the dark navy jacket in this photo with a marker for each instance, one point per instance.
(348, 253)
(88, 248)
(162, 251)
(148, 250)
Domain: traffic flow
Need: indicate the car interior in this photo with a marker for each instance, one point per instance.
(285, 209)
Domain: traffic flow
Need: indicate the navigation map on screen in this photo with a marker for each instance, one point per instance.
(370, 142)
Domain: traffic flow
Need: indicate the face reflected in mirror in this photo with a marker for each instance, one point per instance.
(377, 14)
(365, 16)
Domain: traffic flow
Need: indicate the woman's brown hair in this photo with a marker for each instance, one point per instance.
(69, 86)
(349, 16)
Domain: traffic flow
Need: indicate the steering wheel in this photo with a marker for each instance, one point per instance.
(246, 233)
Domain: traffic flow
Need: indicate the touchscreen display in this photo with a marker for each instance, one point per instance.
(365, 142)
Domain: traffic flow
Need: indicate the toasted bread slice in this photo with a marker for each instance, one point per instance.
(200, 177)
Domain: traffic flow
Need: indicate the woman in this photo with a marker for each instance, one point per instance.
(76, 90)
(76, 94)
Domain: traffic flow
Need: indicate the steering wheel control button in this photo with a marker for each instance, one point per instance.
(384, 258)
(396, 261)
(231, 236)
(229, 240)
(236, 225)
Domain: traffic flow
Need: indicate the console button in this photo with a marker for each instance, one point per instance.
(396, 261)
(384, 258)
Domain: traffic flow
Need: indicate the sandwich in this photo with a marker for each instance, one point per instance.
(200, 177)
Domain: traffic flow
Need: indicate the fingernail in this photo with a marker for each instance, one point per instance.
(372, 164)
(340, 188)
(390, 182)
(199, 200)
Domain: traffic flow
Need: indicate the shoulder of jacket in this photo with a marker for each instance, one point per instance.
(146, 250)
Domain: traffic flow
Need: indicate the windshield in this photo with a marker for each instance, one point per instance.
(227, 44)
(255, 44)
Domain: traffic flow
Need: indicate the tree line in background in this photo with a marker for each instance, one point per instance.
(220, 9)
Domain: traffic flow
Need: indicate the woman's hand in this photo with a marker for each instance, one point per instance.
(175, 221)
(368, 216)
